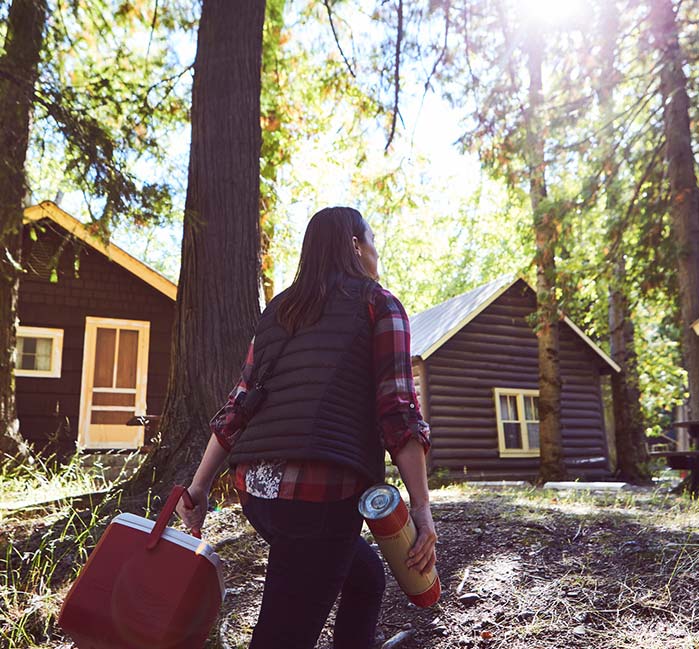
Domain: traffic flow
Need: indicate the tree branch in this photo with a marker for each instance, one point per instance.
(337, 40)
(444, 49)
(152, 30)
(436, 63)
(632, 203)
(396, 75)
(467, 51)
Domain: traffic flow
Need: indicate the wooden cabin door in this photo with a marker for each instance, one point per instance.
(114, 382)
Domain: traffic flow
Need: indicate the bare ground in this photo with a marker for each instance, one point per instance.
(527, 569)
(519, 568)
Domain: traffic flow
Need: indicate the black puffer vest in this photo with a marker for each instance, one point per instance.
(321, 398)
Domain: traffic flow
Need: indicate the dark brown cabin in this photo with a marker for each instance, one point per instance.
(475, 361)
(93, 346)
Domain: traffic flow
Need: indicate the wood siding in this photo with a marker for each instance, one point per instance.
(499, 349)
(421, 381)
(48, 408)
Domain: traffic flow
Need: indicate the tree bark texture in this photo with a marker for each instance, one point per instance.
(631, 452)
(551, 465)
(217, 300)
(684, 194)
(18, 73)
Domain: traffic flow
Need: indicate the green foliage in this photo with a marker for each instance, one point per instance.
(112, 108)
(661, 377)
(434, 239)
(109, 94)
(607, 191)
(306, 95)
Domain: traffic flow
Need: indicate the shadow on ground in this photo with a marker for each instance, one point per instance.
(520, 568)
(538, 570)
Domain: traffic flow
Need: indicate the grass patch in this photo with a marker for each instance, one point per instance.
(35, 571)
(40, 480)
(44, 541)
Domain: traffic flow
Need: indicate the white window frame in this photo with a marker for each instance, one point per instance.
(56, 336)
(525, 451)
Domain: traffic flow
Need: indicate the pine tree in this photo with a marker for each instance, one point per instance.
(684, 193)
(631, 453)
(19, 66)
(551, 466)
(218, 300)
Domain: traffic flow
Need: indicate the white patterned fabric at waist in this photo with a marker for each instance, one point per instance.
(264, 478)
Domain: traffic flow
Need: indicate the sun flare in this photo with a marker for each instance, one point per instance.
(552, 11)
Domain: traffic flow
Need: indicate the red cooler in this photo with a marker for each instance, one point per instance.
(145, 586)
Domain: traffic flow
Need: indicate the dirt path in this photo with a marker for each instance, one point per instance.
(523, 569)
(520, 568)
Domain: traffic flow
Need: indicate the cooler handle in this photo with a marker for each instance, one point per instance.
(178, 491)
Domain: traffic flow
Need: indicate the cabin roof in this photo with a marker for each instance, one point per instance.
(48, 209)
(432, 328)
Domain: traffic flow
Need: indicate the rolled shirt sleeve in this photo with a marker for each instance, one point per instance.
(398, 411)
(226, 423)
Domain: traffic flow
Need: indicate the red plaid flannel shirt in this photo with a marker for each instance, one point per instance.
(397, 408)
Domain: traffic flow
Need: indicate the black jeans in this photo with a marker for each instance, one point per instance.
(315, 553)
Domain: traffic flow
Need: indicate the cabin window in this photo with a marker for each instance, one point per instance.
(518, 422)
(39, 351)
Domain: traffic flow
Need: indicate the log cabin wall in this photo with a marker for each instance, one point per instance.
(48, 408)
(421, 382)
(499, 349)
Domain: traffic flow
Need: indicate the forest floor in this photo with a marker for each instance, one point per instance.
(520, 567)
(528, 568)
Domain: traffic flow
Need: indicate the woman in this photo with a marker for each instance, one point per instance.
(326, 386)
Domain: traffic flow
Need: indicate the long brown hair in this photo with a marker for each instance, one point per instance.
(327, 256)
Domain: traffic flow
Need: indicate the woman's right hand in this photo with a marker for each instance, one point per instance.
(422, 556)
(411, 464)
(193, 517)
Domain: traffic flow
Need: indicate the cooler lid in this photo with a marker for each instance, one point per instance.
(179, 538)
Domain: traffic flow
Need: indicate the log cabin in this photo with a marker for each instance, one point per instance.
(93, 342)
(475, 364)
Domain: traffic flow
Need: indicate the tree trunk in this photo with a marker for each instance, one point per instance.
(631, 452)
(551, 465)
(217, 300)
(684, 194)
(18, 73)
